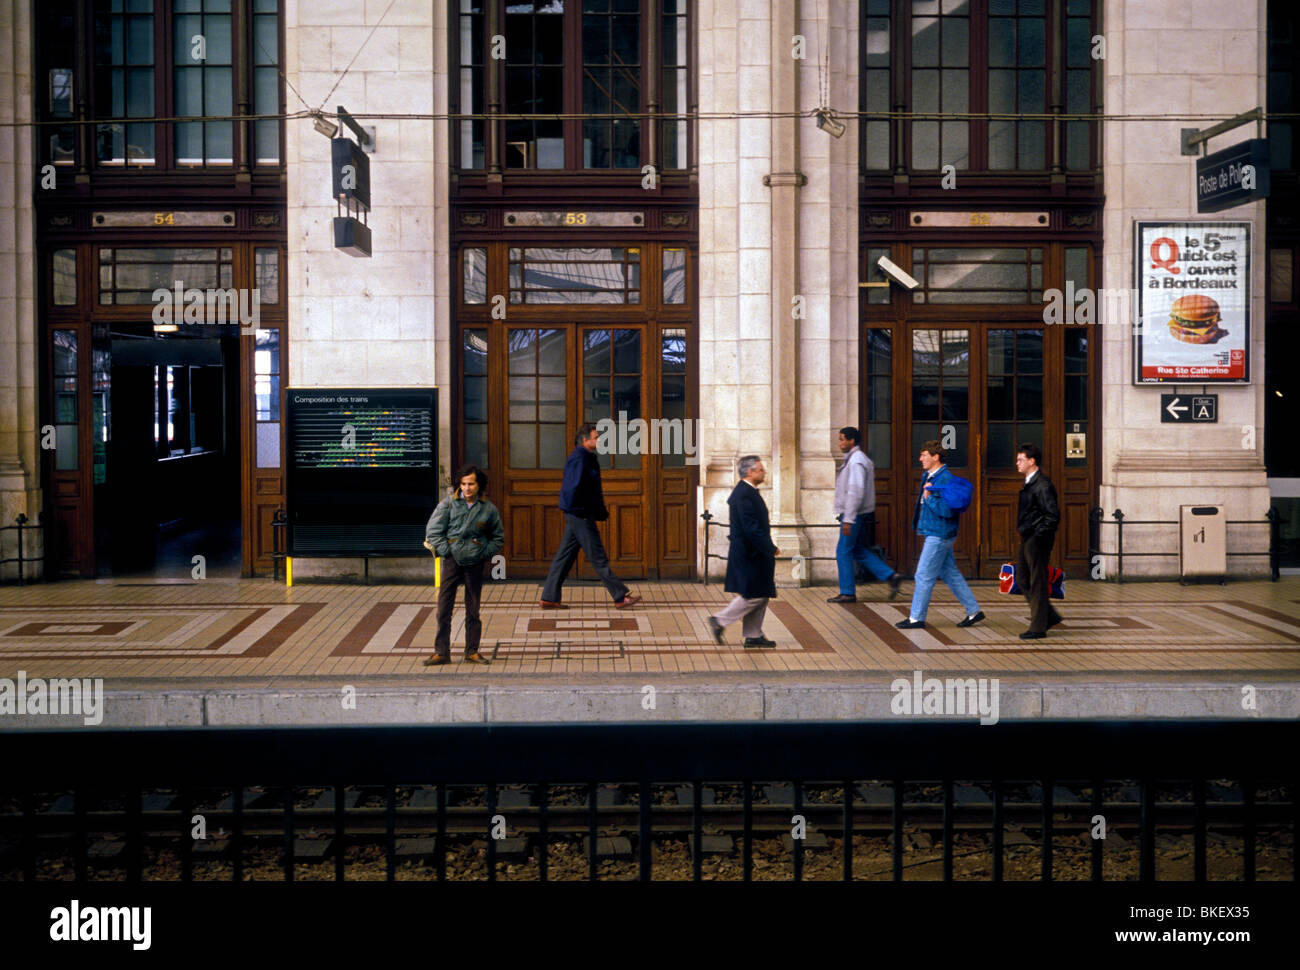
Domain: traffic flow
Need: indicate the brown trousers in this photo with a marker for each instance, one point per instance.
(1035, 557)
(454, 575)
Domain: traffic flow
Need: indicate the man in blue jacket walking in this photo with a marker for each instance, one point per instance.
(937, 522)
(583, 505)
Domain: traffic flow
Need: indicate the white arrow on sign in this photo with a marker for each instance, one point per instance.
(1173, 411)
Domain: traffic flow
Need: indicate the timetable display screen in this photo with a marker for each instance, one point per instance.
(363, 469)
(354, 431)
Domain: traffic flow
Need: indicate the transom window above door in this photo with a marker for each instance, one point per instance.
(601, 62)
(187, 60)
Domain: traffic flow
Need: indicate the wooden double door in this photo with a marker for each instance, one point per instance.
(526, 390)
(981, 389)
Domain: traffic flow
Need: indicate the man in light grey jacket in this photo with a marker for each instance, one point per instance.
(855, 507)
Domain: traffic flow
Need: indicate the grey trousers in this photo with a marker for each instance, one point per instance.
(753, 610)
(580, 533)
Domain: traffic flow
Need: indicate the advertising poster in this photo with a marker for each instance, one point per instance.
(1192, 306)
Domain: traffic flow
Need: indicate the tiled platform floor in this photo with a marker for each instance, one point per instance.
(254, 635)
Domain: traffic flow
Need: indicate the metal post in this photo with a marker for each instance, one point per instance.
(706, 515)
(21, 520)
(1118, 516)
(1094, 533)
(1274, 541)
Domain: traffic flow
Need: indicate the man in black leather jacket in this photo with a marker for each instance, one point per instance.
(1036, 523)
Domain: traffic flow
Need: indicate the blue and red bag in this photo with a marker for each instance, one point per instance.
(1055, 581)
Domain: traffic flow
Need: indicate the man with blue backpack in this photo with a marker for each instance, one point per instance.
(943, 497)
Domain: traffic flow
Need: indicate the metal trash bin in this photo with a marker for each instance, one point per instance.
(1202, 543)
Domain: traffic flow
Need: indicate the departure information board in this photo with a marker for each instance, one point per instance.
(365, 430)
(363, 469)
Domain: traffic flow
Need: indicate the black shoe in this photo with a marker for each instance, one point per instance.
(716, 629)
(842, 598)
(972, 619)
(894, 582)
(910, 624)
(1031, 635)
(1052, 623)
(759, 642)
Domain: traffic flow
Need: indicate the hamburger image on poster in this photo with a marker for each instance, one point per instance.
(1194, 329)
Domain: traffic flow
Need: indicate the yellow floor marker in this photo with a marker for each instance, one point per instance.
(288, 570)
(437, 572)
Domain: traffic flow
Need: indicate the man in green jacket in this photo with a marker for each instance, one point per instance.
(466, 532)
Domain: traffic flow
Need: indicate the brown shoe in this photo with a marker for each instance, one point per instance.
(476, 658)
(627, 602)
(437, 660)
(548, 605)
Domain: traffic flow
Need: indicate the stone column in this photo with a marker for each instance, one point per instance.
(828, 260)
(736, 407)
(19, 379)
(785, 182)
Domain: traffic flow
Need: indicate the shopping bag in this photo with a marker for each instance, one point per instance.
(1007, 579)
(1055, 581)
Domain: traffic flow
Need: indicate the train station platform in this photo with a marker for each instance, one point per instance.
(253, 652)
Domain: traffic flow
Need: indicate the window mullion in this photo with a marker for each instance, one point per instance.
(240, 76)
(164, 72)
(1055, 87)
(572, 81)
(651, 73)
(978, 140)
(494, 130)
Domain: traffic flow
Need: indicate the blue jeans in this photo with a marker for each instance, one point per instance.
(854, 548)
(937, 562)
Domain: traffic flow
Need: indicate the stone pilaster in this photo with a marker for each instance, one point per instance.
(828, 260)
(377, 321)
(19, 460)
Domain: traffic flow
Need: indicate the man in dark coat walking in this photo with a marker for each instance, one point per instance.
(751, 560)
(583, 505)
(1036, 522)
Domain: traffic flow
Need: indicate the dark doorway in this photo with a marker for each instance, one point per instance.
(170, 488)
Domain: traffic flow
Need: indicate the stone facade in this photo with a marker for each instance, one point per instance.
(1216, 64)
(778, 201)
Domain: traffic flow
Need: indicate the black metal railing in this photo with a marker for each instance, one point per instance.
(21, 525)
(707, 516)
(1097, 518)
(63, 788)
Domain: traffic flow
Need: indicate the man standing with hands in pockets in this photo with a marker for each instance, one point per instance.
(465, 530)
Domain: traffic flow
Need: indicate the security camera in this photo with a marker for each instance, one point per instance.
(827, 122)
(897, 273)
